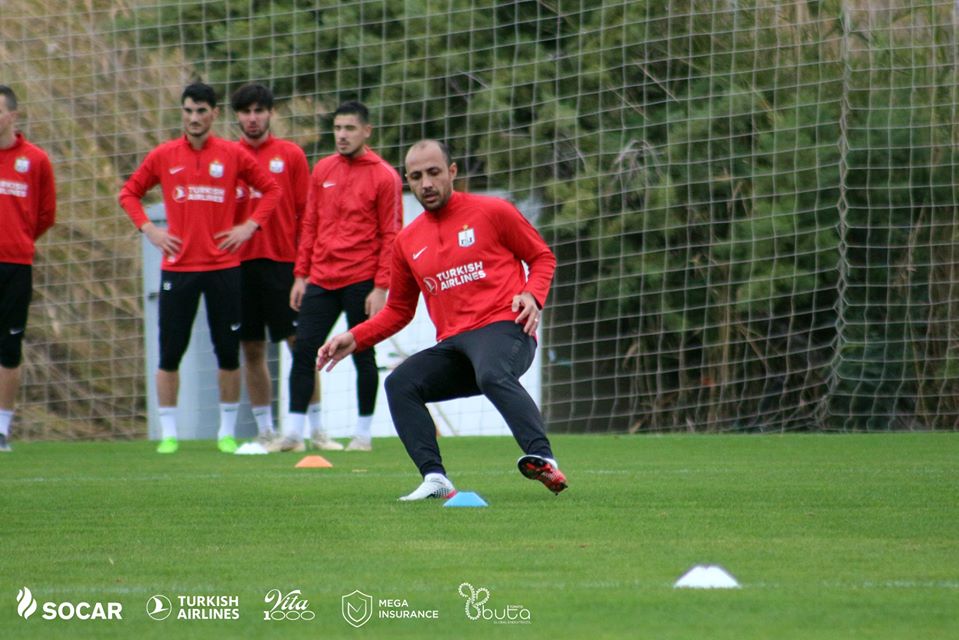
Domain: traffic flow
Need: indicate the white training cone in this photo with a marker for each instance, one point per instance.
(251, 449)
(706, 576)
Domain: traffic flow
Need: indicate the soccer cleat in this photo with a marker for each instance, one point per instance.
(543, 469)
(435, 485)
(360, 444)
(287, 443)
(4, 444)
(324, 442)
(266, 440)
(227, 444)
(168, 445)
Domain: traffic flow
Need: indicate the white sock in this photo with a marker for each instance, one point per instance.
(264, 419)
(6, 415)
(363, 424)
(228, 411)
(167, 422)
(316, 418)
(293, 426)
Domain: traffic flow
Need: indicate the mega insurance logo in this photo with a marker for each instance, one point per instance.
(27, 605)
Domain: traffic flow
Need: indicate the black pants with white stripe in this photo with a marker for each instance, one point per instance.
(487, 361)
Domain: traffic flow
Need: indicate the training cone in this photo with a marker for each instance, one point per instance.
(314, 462)
(465, 499)
(704, 576)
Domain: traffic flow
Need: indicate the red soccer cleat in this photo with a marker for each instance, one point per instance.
(543, 469)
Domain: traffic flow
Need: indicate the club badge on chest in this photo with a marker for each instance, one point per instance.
(467, 237)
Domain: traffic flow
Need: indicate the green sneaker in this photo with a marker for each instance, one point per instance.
(227, 444)
(168, 445)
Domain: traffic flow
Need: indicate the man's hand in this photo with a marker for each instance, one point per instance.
(336, 348)
(162, 240)
(235, 237)
(375, 302)
(529, 312)
(297, 292)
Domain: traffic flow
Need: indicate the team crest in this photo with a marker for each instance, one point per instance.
(467, 237)
(276, 165)
(21, 165)
(216, 169)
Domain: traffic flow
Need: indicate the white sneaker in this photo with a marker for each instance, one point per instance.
(435, 485)
(287, 444)
(323, 441)
(267, 439)
(360, 444)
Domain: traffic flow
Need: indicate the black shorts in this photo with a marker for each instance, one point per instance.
(16, 289)
(266, 300)
(179, 298)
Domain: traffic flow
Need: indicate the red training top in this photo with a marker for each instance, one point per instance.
(286, 162)
(353, 212)
(467, 260)
(28, 200)
(199, 192)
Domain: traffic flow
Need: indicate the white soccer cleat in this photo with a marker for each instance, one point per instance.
(295, 445)
(267, 439)
(360, 444)
(324, 442)
(435, 485)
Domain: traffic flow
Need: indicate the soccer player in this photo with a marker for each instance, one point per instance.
(465, 254)
(199, 174)
(354, 210)
(28, 204)
(266, 261)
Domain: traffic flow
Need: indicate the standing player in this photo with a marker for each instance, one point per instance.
(28, 204)
(354, 210)
(199, 175)
(465, 254)
(266, 261)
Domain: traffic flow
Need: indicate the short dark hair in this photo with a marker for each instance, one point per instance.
(11, 97)
(199, 92)
(353, 108)
(251, 94)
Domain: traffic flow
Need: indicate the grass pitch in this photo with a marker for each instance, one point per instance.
(839, 536)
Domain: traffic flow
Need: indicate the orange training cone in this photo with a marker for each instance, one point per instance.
(313, 462)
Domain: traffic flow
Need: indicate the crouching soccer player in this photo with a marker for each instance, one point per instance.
(465, 254)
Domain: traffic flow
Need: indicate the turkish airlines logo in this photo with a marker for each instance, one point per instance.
(159, 607)
(26, 604)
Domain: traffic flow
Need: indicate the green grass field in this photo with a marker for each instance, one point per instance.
(839, 536)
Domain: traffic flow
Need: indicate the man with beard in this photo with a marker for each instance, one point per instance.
(266, 263)
(199, 174)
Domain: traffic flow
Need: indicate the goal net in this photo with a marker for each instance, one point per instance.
(752, 202)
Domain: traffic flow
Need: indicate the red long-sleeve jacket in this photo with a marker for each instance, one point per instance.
(467, 261)
(28, 200)
(354, 210)
(199, 192)
(286, 162)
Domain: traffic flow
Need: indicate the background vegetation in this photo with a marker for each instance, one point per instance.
(753, 202)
